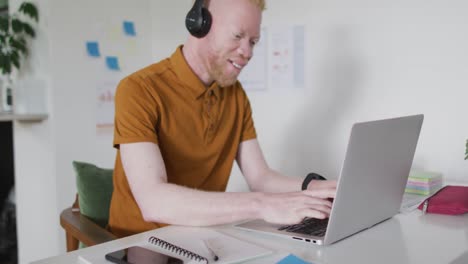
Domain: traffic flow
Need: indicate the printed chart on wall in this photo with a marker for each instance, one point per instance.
(117, 50)
(278, 62)
(286, 57)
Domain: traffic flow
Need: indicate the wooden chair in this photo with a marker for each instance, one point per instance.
(79, 228)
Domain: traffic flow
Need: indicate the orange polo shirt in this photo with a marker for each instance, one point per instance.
(197, 128)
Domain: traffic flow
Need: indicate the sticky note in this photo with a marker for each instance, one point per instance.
(292, 259)
(93, 49)
(129, 28)
(112, 63)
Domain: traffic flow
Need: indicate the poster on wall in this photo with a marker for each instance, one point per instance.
(114, 51)
(286, 57)
(278, 62)
(105, 92)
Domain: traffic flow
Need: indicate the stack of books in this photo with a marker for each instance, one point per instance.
(423, 182)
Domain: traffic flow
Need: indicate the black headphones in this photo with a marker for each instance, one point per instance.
(198, 20)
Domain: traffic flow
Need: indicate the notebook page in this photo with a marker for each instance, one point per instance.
(227, 248)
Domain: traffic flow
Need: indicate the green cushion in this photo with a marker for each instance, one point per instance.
(94, 187)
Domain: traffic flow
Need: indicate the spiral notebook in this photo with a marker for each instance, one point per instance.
(178, 251)
(187, 243)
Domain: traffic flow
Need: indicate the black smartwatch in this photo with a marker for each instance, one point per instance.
(311, 176)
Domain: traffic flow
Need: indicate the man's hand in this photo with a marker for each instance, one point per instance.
(317, 185)
(291, 208)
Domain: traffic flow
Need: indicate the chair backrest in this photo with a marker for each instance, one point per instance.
(87, 219)
(94, 186)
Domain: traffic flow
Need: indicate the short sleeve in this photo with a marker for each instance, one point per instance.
(136, 113)
(248, 128)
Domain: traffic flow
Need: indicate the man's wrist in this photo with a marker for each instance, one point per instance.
(259, 204)
(309, 178)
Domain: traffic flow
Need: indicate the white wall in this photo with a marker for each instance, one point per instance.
(35, 181)
(45, 181)
(168, 26)
(364, 60)
(76, 76)
(369, 60)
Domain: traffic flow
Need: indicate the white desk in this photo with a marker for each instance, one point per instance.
(412, 238)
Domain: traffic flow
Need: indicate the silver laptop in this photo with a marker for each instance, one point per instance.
(370, 187)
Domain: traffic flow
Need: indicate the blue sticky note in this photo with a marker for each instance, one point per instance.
(112, 63)
(129, 28)
(292, 259)
(93, 49)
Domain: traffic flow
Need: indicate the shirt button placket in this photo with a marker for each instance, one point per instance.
(211, 100)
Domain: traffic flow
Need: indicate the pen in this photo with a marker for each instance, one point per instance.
(213, 254)
(426, 203)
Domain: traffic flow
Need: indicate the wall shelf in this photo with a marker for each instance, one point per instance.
(22, 117)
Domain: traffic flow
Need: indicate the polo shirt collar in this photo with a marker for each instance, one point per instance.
(188, 78)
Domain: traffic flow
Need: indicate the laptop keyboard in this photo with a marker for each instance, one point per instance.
(308, 226)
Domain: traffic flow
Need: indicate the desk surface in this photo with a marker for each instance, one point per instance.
(406, 238)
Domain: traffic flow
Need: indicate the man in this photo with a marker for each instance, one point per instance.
(179, 126)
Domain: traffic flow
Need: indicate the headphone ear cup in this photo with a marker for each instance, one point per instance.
(206, 24)
(194, 20)
(198, 22)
